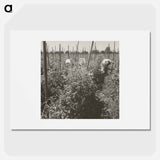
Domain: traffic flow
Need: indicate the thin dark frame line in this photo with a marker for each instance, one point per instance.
(150, 77)
(108, 129)
(81, 129)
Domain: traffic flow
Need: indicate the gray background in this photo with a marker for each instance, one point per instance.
(79, 17)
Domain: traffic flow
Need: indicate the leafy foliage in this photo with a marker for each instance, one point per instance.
(77, 93)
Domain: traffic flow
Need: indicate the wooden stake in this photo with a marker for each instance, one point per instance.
(68, 52)
(109, 51)
(95, 52)
(95, 47)
(76, 55)
(53, 55)
(114, 51)
(45, 69)
(90, 54)
(60, 56)
(47, 51)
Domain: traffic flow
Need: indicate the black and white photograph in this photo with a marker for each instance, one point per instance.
(80, 80)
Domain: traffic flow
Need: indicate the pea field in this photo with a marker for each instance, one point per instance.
(75, 84)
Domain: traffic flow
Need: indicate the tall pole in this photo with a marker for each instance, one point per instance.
(55, 52)
(95, 52)
(95, 47)
(60, 56)
(90, 54)
(53, 55)
(114, 51)
(68, 51)
(109, 50)
(76, 55)
(47, 51)
(45, 68)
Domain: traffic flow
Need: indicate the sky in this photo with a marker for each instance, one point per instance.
(100, 45)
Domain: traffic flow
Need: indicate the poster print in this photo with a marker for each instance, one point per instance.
(93, 81)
